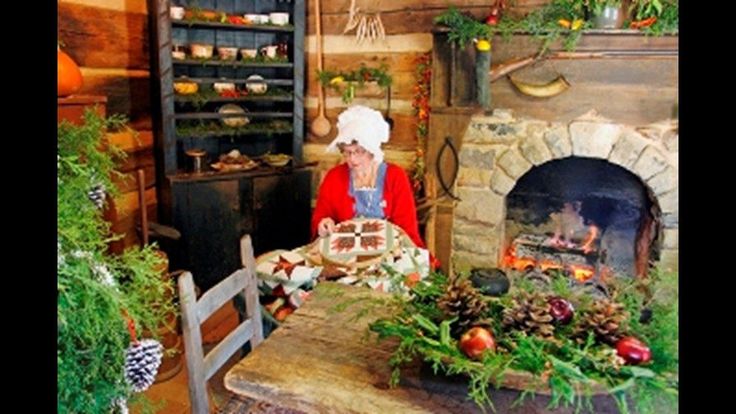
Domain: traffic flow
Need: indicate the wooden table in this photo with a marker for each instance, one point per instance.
(322, 360)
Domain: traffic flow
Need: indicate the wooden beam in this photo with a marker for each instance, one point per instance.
(398, 106)
(131, 140)
(104, 38)
(409, 16)
(403, 135)
(131, 6)
(128, 92)
(401, 43)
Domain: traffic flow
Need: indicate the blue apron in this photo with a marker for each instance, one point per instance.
(369, 201)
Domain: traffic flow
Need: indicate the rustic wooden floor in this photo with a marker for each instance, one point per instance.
(172, 396)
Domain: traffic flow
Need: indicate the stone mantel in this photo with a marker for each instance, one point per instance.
(497, 149)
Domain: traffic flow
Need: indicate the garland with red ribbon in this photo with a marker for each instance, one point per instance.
(420, 103)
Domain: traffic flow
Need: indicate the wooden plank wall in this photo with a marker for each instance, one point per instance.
(408, 25)
(109, 41)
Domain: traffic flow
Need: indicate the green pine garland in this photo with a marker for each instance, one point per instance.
(570, 369)
(544, 22)
(345, 82)
(95, 289)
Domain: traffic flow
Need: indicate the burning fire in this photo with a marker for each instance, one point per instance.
(580, 273)
(587, 246)
(563, 251)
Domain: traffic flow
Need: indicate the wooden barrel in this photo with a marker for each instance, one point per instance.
(172, 361)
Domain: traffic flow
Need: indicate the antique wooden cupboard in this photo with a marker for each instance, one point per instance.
(210, 208)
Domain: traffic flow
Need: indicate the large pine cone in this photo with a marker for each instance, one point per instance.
(606, 319)
(530, 313)
(463, 300)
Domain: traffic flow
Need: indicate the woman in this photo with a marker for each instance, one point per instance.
(364, 185)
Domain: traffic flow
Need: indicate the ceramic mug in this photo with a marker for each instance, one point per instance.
(178, 52)
(269, 51)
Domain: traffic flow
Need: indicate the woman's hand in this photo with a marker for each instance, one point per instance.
(325, 227)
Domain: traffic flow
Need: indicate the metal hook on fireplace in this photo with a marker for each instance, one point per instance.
(447, 188)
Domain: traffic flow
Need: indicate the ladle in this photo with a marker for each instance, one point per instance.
(321, 125)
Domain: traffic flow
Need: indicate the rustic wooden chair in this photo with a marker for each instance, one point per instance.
(195, 311)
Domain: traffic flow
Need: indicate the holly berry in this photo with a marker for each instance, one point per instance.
(633, 351)
(476, 341)
(561, 310)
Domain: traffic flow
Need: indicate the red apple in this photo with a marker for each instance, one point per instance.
(561, 309)
(493, 18)
(476, 341)
(633, 351)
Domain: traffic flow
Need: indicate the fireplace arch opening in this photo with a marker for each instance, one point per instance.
(583, 216)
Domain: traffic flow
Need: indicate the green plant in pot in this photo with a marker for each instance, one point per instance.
(606, 14)
(103, 300)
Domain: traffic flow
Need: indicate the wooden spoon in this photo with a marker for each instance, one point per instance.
(321, 125)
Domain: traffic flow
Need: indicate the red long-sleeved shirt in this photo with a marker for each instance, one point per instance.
(334, 200)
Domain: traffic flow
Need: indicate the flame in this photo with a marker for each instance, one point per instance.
(518, 263)
(581, 273)
(549, 265)
(588, 243)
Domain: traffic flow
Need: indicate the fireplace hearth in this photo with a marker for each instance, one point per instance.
(589, 198)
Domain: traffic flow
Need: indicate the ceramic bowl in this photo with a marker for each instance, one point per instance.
(233, 121)
(277, 160)
(186, 87)
(178, 52)
(251, 18)
(227, 53)
(221, 87)
(279, 19)
(248, 53)
(176, 12)
(262, 18)
(201, 50)
(256, 84)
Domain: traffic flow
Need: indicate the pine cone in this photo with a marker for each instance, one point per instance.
(463, 300)
(141, 363)
(530, 313)
(606, 319)
(97, 195)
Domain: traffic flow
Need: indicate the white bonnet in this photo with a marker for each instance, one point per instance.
(363, 125)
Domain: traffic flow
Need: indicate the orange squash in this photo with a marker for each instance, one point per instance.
(69, 77)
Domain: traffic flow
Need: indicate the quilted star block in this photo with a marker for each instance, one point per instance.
(358, 242)
(285, 268)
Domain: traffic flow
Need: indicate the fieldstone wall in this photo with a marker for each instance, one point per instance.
(497, 150)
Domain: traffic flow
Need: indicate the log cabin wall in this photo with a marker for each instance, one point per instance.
(622, 77)
(109, 41)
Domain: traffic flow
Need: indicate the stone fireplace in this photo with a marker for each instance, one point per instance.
(590, 194)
